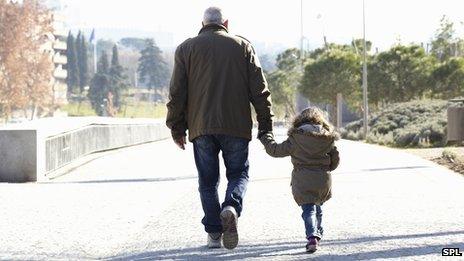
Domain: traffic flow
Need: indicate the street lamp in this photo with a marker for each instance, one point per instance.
(321, 18)
(301, 102)
(365, 101)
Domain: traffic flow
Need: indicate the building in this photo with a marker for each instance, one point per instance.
(60, 88)
(58, 48)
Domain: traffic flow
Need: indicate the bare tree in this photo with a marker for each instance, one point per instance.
(26, 65)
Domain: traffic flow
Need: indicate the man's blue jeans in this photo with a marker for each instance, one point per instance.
(235, 155)
(312, 216)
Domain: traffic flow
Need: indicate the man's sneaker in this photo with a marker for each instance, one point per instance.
(214, 240)
(311, 247)
(229, 225)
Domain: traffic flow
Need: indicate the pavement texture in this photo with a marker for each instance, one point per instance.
(142, 203)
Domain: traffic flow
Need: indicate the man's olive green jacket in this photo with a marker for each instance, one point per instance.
(216, 76)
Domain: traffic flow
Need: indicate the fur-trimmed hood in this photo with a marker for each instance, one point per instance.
(315, 130)
(313, 139)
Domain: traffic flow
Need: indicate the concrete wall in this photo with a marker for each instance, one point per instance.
(18, 155)
(35, 150)
(456, 123)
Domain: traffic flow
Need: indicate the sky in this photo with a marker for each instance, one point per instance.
(276, 21)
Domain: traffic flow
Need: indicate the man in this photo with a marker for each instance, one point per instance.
(216, 76)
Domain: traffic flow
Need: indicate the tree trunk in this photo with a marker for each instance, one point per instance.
(333, 112)
(34, 109)
(79, 107)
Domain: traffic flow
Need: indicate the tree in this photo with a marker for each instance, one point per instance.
(129, 60)
(282, 87)
(268, 63)
(104, 45)
(283, 82)
(25, 64)
(118, 78)
(400, 74)
(379, 88)
(137, 44)
(83, 62)
(444, 43)
(448, 78)
(331, 46)
(153, 70)
(289, 60)
(358, 45)
(73, 68)
(100, 86)
(337, 70)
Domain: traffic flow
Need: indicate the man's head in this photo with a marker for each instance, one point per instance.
(214, 15)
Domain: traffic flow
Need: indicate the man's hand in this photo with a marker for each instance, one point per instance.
(180, 142)
(261, 133)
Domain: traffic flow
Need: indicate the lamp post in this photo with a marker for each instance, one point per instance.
(365, 101)
(321, 19)
(301, 33)
(301, 102)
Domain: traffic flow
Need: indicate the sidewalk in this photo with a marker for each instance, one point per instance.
(142, 203)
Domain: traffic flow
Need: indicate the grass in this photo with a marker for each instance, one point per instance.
(143, 110)
(137, 110)
(73, 109)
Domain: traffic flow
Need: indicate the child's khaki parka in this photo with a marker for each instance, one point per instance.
(314, 155)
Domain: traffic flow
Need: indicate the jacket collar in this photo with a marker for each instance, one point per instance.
(213, 27)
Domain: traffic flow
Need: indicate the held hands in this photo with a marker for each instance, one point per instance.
(262, 133)
(265, 137)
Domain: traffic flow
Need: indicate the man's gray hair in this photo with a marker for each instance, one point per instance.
(213, 15)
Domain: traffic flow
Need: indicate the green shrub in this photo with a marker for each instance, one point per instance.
(405, 137)
(449, 154)
(409, 124)
(353, 135)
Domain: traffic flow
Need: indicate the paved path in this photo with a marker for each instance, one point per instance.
(142, 203)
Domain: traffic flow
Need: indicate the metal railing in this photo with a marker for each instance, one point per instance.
(63, 149)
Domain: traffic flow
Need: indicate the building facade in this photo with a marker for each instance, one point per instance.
(58, 48)
(60, 74)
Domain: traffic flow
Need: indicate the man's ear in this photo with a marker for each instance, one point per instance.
(226, 24)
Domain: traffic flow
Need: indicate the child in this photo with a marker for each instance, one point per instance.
(311, 147)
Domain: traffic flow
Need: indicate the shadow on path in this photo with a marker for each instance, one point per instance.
(397, 168)
(391, 253)
(122, 180)
(295, 250)
(384, 238)
(148, 180)
(362, 171)
(202, 253)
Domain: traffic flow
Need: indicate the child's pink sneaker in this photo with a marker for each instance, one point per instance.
(311, 247)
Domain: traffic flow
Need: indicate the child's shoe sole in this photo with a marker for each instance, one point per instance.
(311, 249)
(229, 225)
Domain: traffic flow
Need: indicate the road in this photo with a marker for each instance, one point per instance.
(142, 203)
